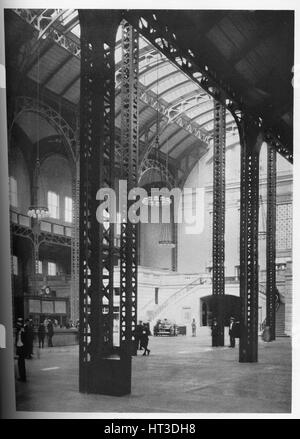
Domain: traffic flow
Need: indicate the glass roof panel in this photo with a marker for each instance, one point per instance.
(181, 90)
(179, 95)
(68, 16)
(118, 54)
(199, 108)
(153, 74)
(76, 30)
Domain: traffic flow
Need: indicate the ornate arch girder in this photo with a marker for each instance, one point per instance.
(164, 39)
(26, 104)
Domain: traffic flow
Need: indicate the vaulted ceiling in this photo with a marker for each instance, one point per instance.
(250, 51)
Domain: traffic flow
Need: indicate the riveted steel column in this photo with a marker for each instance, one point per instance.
(251, 141)
(218, 250)
(74, 298)
(174, 255)
(271, 243)
(101, 370)
(129, 144)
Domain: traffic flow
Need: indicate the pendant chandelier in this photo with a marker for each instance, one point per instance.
(36, 210)
(157, 200)
(166, 239)
(157, 182)
(158, 179)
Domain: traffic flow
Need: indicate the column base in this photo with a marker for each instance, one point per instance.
(107, 376)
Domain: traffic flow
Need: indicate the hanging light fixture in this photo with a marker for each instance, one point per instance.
(166, 239)
(36, 210)
(166, 236)
(157, 200)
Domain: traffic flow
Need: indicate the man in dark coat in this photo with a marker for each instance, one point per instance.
(138, 333)
(215, 332)
(20, 349)
(233, 331)
(41, 334)
(29, 337)
(145, 339)
(50, 332)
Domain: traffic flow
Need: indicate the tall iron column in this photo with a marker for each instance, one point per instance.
(74, 298)
(218, 249)
(129, 232)
(251, 140)
(102, 368)
(271, 243)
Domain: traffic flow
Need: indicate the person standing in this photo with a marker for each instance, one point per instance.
(215, 332)
(50, 332)
(20, 349)
(232, 331)
(193, 328)
(145, 339)
(41, 334)
(29, 337)
(138, 334)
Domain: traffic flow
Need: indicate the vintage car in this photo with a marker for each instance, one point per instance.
(165, 327)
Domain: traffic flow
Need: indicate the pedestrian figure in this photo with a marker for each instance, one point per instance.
(145, 339)
(215, 332)
(233, 331)
(50, 332)
(193, 328)
(41, 334)
(29, 337)
(138, 334)
(20, 349)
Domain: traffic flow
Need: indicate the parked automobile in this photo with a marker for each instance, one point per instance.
(165, 327)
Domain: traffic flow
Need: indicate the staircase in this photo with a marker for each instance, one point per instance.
(177, 295)
(280, 321)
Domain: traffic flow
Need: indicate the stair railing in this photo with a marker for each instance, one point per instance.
(177, 294)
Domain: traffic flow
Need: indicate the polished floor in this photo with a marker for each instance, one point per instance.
(183, 374)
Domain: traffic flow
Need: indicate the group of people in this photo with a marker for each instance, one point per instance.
(45, 327)
(24, 341)
(142, 333)
(233, 331)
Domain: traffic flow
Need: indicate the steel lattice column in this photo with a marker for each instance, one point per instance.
(218, 250)
(271, 242)
(129, 171)
(35, 226)
(175, 240)
(101, 369)
(74, 299)
(251, 141)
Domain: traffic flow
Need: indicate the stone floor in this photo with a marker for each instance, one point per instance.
(182, 375)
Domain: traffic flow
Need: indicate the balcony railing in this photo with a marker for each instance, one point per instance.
(45, 226)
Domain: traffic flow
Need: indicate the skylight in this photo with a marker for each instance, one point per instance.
(76, 30)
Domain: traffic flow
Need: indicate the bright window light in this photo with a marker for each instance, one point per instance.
(51, 268)
(68, 209)
(53, 204)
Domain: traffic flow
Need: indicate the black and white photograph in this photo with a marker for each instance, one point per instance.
(148, 239)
